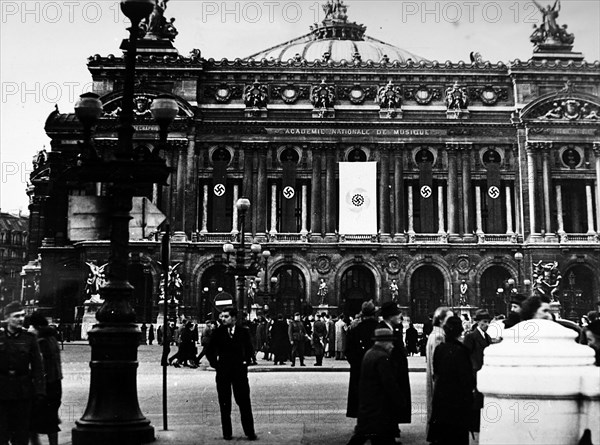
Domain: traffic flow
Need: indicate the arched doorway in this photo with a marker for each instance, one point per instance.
(140, 278)
(290, 291)
(356, 286)
(492, 279)
(577, 292)
(214, 280)
(426, 292)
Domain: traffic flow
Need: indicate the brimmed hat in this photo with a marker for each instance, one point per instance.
(389, 309)
(517, 299)
(367, 309)
(482, 314)
(296, 314)
(383, 334)
(12, 307)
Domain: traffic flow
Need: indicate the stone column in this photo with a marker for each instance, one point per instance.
(596, 148)
(441, 222)
(154, 194)
(559, 210)
(509, 221)
(273, 230)
(234, 219)
(191, 187)
(399, 221)
(205, 209)
(531, 174)
(478, 224)
(411, 221)
(261, 195)
(384, 189)
(546, 180)
(304, 229)
(315, 197)
(466, 183)
(179, 220)
(452, 187)
(590, 209)
(248, 185)
(330, 207)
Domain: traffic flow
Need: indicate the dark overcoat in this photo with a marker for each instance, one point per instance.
(280, 343)
(358, 342)
(452, 392)
(400, 365)
(379, 394)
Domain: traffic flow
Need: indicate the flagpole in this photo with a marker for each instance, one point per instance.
(166, 260)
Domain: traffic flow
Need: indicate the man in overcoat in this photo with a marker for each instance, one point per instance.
(390, 313)
(230, 352)
(380, 396)
(358, 342)
(21, 376)
(319, 336)
(297, 335)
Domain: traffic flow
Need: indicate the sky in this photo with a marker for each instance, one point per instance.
(45, 45)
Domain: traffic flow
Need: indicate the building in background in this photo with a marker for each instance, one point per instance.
(13, 255)
(474, 172)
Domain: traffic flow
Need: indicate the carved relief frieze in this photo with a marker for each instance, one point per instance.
(489, 95)
(223, 93)
(422, 94)
(290, 93)
(568, 110)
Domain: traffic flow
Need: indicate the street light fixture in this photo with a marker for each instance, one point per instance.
(519, 260)
(113, 414)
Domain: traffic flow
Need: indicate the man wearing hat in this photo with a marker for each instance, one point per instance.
(514, 316)
(380, 396)
(21, 376)
(476, 341)
(297, 334)
(358, 342)
(391, 319)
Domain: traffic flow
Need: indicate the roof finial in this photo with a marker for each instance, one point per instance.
(335, 10)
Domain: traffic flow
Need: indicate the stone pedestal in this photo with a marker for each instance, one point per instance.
(89, 317)
(539, 387)
(324, 308)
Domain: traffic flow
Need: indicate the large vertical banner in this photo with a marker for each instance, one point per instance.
(289, 196)
(358, 198)
(495, 223)
(427, 198)
(219, 197)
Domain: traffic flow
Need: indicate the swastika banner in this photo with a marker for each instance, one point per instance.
(358, 198)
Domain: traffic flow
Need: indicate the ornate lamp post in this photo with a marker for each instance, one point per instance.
(239, 268)
(113, 414)
(519, 260)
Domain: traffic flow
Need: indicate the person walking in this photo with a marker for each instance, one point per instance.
(297, 336)
(230, 352)
(412, 339)
(319, 337)
(205, 340)
(21, 376)
(380, 397)
(341, 329)
(453, 391)
(436, 337)
(143, 337)
(358, 342)
(151, 334)
(330, 336)
(44, 417)
(390, 313)
(279, 340)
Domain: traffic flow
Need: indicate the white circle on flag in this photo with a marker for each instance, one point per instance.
(426, 191)
(358, 200)
(494, 192)
(288, 192)
(219, 189)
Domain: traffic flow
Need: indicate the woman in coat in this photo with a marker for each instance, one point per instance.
(280, 343)
(44, 416)
(454, 383)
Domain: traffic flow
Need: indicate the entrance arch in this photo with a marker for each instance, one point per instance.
(577, 290)
(356, 286)
(492, 278)
(426, 292)
(214, 280)
(290, 292)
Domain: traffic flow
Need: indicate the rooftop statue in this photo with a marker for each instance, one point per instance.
(157, 25)
(335, 10)
(549, 32)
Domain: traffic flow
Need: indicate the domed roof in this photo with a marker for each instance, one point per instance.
(336, 39)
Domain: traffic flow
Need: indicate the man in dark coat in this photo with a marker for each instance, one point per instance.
(21, 376)
(358, 342)
(380, 397)
(453, 391)
(330, 335)
(230, 352)
(390, 312)
(475, 342)
(279, 340)
(319, 336)
(297, 335)
(514, 316)
(151, 334)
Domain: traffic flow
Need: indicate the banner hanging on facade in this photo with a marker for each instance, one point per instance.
(358, 198)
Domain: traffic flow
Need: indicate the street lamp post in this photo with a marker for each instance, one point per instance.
(239, 267)
(519, 260)
(113, 414)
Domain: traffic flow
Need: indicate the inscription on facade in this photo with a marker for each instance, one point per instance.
(357, 132)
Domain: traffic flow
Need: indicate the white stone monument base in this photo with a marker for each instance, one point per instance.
(89, 318)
